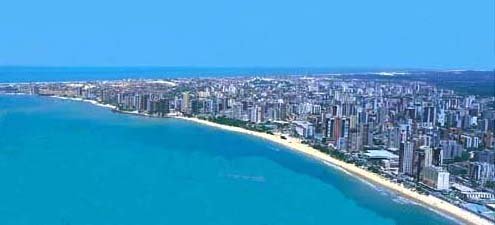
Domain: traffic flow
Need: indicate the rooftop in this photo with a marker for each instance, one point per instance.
(380, 154)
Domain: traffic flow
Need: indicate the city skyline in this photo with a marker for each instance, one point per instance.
(404, 132)
(225, 112)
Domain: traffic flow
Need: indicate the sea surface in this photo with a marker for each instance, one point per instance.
(65, 162)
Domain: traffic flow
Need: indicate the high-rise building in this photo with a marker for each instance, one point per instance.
(418, 163)
(196, 106)
(256, 114)
(404, 132)
(366, 134)
(482, 171)
(162, 107)
(355, 142)
(437, 157)
(486, 156)
(393, 137)
(428, 156)
(334, 128)
(429, 116)
(451, 149)
(436, 177)
(406, 151)
(185, 103)
(304, 128)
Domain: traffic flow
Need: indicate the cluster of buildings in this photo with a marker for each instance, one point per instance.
(412, 132)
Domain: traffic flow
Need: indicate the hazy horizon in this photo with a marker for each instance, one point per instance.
(336, 68)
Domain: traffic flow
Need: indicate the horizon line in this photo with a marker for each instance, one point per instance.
(378, 68)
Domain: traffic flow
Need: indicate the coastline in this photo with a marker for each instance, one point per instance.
(296, 145)
(428, 201)
(85, 100)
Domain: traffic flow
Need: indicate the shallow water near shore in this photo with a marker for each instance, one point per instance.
(65, 162)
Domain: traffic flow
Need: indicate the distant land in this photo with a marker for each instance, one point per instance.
(468, 82)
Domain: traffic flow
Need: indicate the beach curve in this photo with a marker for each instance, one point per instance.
(296, 145)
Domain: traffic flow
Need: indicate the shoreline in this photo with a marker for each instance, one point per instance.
(96, 103)
(430, 202)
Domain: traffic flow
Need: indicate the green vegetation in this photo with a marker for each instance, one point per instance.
(459, 172)
(239, 123)
(464, 83)
(490, 184)
(332, 152)
(262, 128)
(465, 157)
(321, 148)
(374, 169)
(338, 155)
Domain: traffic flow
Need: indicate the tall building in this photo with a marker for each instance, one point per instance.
(437, 157)
(485, 156)
(366, 134)
(142, 102)
(162, 107)
(418, 163)
(196, 106)
(406, 151)
(184, 108)
(334, 128)
(428, 156)
(304, 128)
(482, 171)
(404, 132)
(436, 178)
(429, 116)
(355, 142)
(451, 149)
(256, 114)
(393, 137)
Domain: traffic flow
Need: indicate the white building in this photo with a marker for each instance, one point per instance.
(304, 128)
(406, 151)
(471, 194)
(482, 171)
(435, 177)
(428, 155)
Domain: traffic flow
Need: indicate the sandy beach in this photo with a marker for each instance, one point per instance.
(86, 100)
(295, 144)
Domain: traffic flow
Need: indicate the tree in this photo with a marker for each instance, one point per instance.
(464, 157)
(490, 184)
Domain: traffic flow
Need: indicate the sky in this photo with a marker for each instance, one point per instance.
(450, 34)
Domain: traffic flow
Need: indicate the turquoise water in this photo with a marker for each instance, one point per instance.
(65, 162)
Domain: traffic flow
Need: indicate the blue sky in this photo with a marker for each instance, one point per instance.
(310, 33)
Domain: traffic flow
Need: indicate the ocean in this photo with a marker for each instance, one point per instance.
(65, 162)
